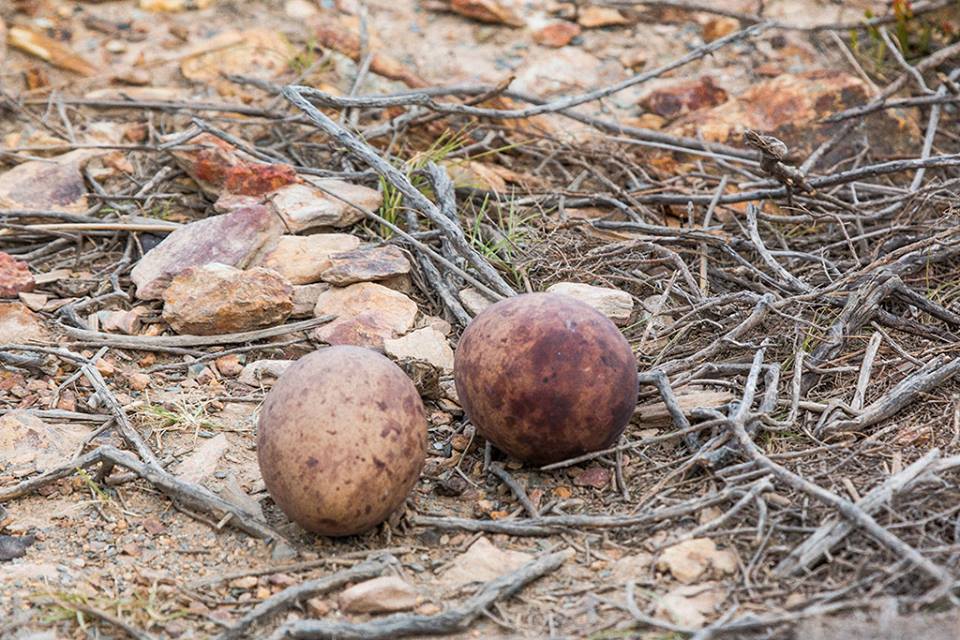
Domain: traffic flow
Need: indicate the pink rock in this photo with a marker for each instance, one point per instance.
(379, 595)
(216, 298)
(679, 97)
(233, 239)
(302, 259)
(14, 276)
(365, 314)
(596, 477)
(310, 205)
(19, 324)
(54, 184)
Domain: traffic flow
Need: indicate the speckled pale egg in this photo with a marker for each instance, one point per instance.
(342, 439)
(545, 377)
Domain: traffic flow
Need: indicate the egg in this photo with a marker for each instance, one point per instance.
(341, 440)
(545, 377)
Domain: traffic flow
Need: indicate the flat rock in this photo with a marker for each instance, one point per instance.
(28, 444)
(482, 562)
(675, 98)
(53, 184)
(594, 17)
(613, 303)
(202, 461)
(15, 276)
(549, 72)
(691, 605)
(474, 301)
(232, 239)
(305, 298)
(219, 167)
(263, 53)
(19, 324)
(426, 344)
(379, 595)
(556, 34)
(365, 314)
(882, 625)
(789, 107)
(366, 265)
(693, 559)
(263, 373)
(302, 259)
(216, 298)
(310, 205)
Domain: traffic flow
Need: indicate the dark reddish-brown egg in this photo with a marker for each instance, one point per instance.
(545, 377)
(342, 440)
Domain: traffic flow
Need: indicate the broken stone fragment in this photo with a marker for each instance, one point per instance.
(427, 344)
(556, 34)
(365, 314)
(474, 301)
(693, 559)
(366, 265)
(19, 324)
(302, 259)
(379, 595)
(595, 17)
(28, 444)
(310, 205)
(219, 167)
(613, 303)
(216, 298)
(15, 277)
(305, 298)
(53, 184)
(232, 239)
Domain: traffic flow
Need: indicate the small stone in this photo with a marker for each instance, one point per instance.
(232, 239)
(138, 381)
(126, 322)
(216, 299)
(429, 609)
(19, 324)
(299, 9)
(690, 560)
(719, 26)
(33, 301)
(489, 11)
(14, 546)
(309, 205)
(379, 595)
(52, 184)
(302, 259)
(229, 365)
(202, 462)
(305, 298)
(634, 59)
(365, 314)
(482, 562)
(439, 324)
(67, 401)
(595, 17)
(425, 344)
(691, 605)
(613, 303)
(15, 276)
(246, 582)
(105, 367)
(29, 444)
(474, 301)
(595, 477)
(676, 98)
(366, 265)
(556, 34)
(318, 607)
(263, 373)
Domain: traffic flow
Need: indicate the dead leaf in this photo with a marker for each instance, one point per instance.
(49, 50)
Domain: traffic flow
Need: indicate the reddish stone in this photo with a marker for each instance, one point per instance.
(15, 276)
(220, 167)
(556, 34)
(595, 477)
(683, 97)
